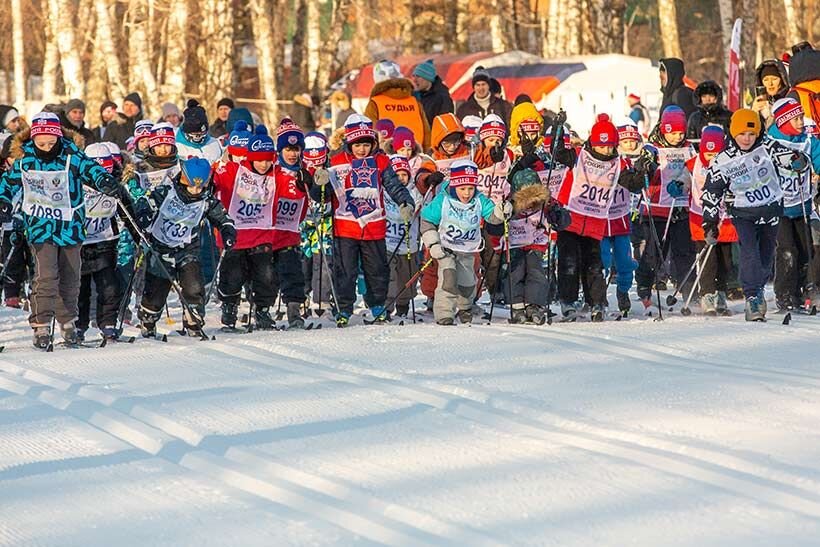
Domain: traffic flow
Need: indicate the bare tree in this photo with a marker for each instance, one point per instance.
(330, 48)
(140, 67)
(107, 46)
(668, 18)
(267, 38)
(313, 41)
(176, 53)
(61, 14)
(19, 58)
(215, 49)
(792, 27)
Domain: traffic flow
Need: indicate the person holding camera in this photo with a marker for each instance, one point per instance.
(772, 84)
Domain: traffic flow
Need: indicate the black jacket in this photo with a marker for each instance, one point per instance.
(121, 128)
(716, 114)
(675, 91)
(218, 128)
(435, 100)
(497, 106)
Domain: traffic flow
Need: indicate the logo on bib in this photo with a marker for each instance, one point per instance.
(762, 172)
(56, 196)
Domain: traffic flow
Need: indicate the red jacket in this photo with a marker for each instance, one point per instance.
(224, 181)
(289, 208)
(726, 232)
(342, 225)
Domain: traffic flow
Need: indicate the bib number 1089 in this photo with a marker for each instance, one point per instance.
(40, 211)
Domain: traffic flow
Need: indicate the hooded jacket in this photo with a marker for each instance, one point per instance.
(497, 106)
(393, 100)
(716, 114)
(436, 100)
(675, 91)
(804, 70)
(807, 144)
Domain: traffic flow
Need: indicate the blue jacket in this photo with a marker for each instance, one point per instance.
(432, 211)
(83, 171)
(814, 154)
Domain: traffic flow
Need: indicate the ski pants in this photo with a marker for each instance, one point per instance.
(491, 263)
(618, 250)
(55, 289)
(456, 285)
(401, 270)
(757, 244)
(714, 272)
(678, 244)
(321, 268)
(157, 287)
(18, 256)
(796, 264)
(252, 266)
(288, 266)
(100, 267)
(347, 253)
(579, 260)
(527, 277)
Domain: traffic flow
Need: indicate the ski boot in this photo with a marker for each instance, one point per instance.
(402, 311)
(661, 285)
(42, 337)
(342, 319)
(445, 322)
(708, 303)
(597, 314)
(229, 313)
(518, 316)
(148, 322)
(722, 306)
(81, 335)
(569, 313)
(263, 319)
(109, 333)
(535, 313)
(380, 315)
(755, 310)
(69, 333)
(465, 317)
(295, 319)
(811, 297)
(624, 304)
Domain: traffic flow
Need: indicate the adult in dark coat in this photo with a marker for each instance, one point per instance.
(122, 127)
(72, 117)
(672, 71)
(431, 92)
(711, 111)
(482, 102)
(108, 111)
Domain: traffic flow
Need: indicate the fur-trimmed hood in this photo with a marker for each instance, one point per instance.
(396, 88)
(24, 135)
(530, 197)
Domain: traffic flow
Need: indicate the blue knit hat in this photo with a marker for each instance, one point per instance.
(425, 70)
(289, 134)
(238, 139)
(196, 172)
(260, 145)
(237, 114)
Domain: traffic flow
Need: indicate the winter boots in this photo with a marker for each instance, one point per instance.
(465, 317)
(445, 321)
(597, 314)
(229, 313)
(380, 315)
(263, 319)
(518, 315)
(295, 320)
(42, 337)
(569, 312)
(624, 304)
(755, 308)
(535, 313)
(708, 303)
(342, 319)
(148, 322)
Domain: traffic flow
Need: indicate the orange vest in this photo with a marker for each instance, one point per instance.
(809, 99)
(402, 112)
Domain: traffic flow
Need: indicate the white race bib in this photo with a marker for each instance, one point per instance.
(99, 215)
(460, 228)
(796, 186)
(593, 184)
(251, 204)
(621, 203)
(554, 180)
(151, 179)
(176, 221)
(492, 181)
(46, 194)
(672, 165)
(396, 236)
(752, 179)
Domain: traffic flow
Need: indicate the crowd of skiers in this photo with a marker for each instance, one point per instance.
(493, 198)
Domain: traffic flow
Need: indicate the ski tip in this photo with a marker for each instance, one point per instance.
(813, 310)
(787, 318)
(164, 338)
(103, 343)
(618, 318)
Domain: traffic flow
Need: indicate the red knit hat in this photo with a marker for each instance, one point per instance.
(46, 123)
(403, 138)
(785, 110)
(713, 139)
(162, 133)
(399, 163)
(492, 126)
(603, 133)
(463, 172)
(673, 120)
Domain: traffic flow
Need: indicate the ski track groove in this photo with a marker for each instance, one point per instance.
(723, 471)
(246, 469)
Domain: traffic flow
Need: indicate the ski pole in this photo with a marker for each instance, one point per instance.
(126, 297)
(671, 299)
(321, 246)
(411, 280)
(410, 265)
(654, 233)
(809, 244)
(507, 254)
(687, 311)
(549, 276)
(216, 276)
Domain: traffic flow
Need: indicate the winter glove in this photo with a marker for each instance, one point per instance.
(528, 160)
(228, 233)
(527, 146)
(503, 209)
(321, 176)
(558, 217)
(304, 180)
(710, 232)
(799, 162)
(438, 252)
(497, 154)
(5, 211)
(565, 156)
(435, 179)
(406, 211)
(675, 188)
(144, 218)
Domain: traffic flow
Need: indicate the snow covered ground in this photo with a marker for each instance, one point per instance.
(693, 431)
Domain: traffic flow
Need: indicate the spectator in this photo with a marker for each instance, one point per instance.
(302, 112)
(73, 119)
(482, 102)
(223, 110)
(122, 126)
(672, 71)
(392, 98)
(431, 92)
(709, 98)
(171, 114)
(108, 111)
(340, 100)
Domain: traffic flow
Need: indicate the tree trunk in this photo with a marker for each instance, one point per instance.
(748, 41)
(298, 64)
(266, 41)
(107, 43)
(51, 63)
(176, 54)
(330, 48)
(61, 13)
(793, 34)
(556, 28)
(215, 50)
(668, 18)
(19, 59)
(572, 28)
(140, 66)
(499, 43)
(313, 42)
(462, 25)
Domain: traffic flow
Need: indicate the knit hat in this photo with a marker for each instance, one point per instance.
(386, 70)
(316, 149)
(7, 113)
(425, 70)
(196, 172)
(744, 120)
(770, 69)
(238, 139)
(810, 126)
(289, 134)
(100, 153)
(628, 131)
(481, 75)
(547, 144)
(403, 138)
(784, 110)
(46, 123)
(385, 127)
(162, 133)
(529, 125)
(463, 172)
(358, 128)
(603, 133)
(492, 126)
(673, 120)
(115, 152)
(225, 101)
(523, 178)
(169, 109)
(713, 139)
(237, 114)
(196, 120)
(471, 126)
(400, 163)
(74, 104)
(142, 130)
(634, 97)
(260, 145)
(134, 98)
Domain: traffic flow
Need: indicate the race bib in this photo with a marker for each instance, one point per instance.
(460, 228)
(176, 221)
(289, 214)
(672, 166)
(46, 194)
(752, 179)
(492, 181)
(796, 186)
(554, 180)
(621, 203)
(593, 184)
(251, 204)
(99, 215)
(151, 179)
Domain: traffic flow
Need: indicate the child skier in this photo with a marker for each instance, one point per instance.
(716, 268)
(317, 226)
(588, 193)
(50, 171)
(747, 176)
(358, 181)
(193, 140)
(171, 214)
(451, 231)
